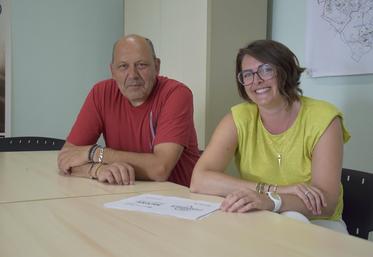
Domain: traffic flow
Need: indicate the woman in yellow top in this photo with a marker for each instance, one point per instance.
(288, 148)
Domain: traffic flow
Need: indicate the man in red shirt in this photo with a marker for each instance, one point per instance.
(146, 121)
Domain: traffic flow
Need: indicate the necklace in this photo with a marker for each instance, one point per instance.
(279, 158)
(279, 151)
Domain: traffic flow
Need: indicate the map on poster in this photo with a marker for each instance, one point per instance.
(339, 37)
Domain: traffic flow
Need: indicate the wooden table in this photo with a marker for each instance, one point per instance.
(45, 214)
(28, 176)
(83, 227)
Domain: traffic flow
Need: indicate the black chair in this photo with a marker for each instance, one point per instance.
(358, 202)
(12, 144)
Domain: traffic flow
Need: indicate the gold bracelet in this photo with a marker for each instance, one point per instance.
(258, 187)
(97, 170)
(269, 188)
(262, 188)
(275, 188)
(90, 171)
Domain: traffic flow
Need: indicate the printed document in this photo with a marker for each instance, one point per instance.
(166, 205)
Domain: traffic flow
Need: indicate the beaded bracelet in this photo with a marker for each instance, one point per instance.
(91, 152)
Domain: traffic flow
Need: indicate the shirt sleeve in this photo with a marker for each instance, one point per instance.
(88, 125)
(175, 122)
(320, 117)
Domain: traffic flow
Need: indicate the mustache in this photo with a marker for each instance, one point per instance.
(134, 82)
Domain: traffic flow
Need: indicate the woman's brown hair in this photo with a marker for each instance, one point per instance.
(286, 64)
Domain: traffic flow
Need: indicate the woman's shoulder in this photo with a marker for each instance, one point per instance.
(244, 112)
(244, 108)
(319, 108)
(319, 114)
(317, 104)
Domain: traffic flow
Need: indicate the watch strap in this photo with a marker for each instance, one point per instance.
(276, 199)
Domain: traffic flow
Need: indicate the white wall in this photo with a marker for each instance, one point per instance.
(59, 49)
(353, 95)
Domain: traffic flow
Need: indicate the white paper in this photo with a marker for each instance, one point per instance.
(166, 205)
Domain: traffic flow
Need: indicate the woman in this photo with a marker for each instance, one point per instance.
(288, 148)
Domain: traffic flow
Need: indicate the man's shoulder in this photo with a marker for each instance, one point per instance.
(105, 84)
(168, 89)
(169, 85)
(105, 88)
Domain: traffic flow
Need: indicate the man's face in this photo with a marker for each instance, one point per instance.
(135, 69)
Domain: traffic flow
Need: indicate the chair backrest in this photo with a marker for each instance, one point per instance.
(358, 202)
(12, 144)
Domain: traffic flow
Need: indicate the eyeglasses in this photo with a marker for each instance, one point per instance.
(265, 72)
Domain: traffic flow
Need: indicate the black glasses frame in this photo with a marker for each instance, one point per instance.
(261, 69)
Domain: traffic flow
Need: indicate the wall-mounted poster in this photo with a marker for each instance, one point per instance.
(339, 37)
(4, 67)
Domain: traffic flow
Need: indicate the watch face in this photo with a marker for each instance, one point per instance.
(273, 196)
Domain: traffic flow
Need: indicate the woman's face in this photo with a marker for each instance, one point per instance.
(264, 92)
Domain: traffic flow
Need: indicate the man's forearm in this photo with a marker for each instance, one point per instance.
(147, 165)
(81, 171)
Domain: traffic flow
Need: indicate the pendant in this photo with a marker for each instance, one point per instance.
(279, 157)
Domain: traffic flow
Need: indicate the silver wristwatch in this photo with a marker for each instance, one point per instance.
(276, 199)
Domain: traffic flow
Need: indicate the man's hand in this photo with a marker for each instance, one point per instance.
(72, 156)
(120, 173)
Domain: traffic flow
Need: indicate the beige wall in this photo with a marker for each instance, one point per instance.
(232, 24)
(197, 41)
(178, 30)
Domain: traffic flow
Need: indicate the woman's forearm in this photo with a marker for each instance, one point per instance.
(217, 183)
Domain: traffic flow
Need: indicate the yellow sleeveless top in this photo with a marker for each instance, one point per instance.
(283, 159)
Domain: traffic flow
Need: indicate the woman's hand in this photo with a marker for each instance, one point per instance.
(312, 197)
(246, 200)
(120, 173)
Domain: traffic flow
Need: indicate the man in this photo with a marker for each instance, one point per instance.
(146, 121)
